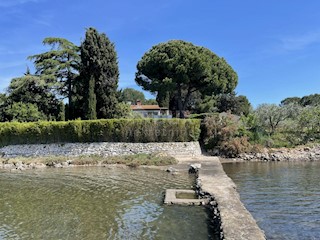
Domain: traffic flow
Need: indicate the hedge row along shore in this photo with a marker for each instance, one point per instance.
(110, 130)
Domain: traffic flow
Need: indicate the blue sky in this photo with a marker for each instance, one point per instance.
(273, 45)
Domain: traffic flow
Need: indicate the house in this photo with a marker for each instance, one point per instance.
(151, 111)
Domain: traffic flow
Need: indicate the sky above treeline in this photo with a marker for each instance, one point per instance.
(273, 45)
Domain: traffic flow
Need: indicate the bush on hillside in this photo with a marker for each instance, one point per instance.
(222, 136)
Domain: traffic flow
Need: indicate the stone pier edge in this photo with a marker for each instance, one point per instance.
(232, 221)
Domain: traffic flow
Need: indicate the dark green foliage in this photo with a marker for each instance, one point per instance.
(3, 103)
(62, 112)
(290, 100)
(34, 90)
(132, 95)
(91, 103)
(206, 104)
(177, 69)
(123, 110)
(23, 112)
(309, 100)
(120, 130)
(59, 66)
(100, 63)
(151, 102)
(238, 105)
(252, 128)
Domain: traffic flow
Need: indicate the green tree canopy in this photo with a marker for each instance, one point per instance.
(270, 116)
(23, 112)
(3, 101)
(59, 66)
(3, 98)
(309, 122)
(99, 65)
(176, 69)
(34, 90)
(290, 100)
(238, 105)
(132, 95)
(309, 100)
(151, 101)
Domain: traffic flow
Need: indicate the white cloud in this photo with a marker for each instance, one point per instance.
(300, 42)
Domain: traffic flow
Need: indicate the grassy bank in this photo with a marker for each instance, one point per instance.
(154, 159)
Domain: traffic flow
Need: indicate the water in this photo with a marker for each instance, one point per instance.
(284, 197)
(96, 203)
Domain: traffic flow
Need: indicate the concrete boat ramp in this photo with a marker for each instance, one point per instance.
(235, 221)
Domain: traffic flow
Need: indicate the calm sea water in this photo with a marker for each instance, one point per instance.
(96, 203)
(284, 197)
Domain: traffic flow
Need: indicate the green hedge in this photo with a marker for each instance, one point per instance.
(111, 130)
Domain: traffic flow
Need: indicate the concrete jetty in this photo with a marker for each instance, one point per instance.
(172, 199)
(235, 220)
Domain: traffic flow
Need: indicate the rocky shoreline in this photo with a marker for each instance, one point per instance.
(301, 153)
(21, 165)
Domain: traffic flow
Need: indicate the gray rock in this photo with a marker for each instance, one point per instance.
(58, 165)
(40, 165)
(21, 168)
(194, 168)
(171, 170)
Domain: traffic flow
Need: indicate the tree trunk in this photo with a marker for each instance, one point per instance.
(180, 104)
(91, 108)
(71, 108)
(181, 111)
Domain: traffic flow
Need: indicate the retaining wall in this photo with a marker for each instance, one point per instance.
(102, 149)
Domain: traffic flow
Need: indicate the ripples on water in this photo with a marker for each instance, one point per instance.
(284, 197)
(96, 203)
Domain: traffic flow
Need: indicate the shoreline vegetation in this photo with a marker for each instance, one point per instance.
(102, 130)
(24, 163)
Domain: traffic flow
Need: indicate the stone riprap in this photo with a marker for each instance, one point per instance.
(228, 212)
(101, 149)
(285, 154)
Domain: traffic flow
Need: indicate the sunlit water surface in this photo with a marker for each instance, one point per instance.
(96, 203)
(284, 197)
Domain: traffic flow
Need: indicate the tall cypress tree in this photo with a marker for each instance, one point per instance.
(91, 103)
(100, 65)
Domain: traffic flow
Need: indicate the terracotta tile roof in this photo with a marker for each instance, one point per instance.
(146, 107)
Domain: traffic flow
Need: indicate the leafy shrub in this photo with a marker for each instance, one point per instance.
(221, 135)
(234, 146)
